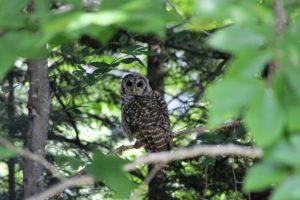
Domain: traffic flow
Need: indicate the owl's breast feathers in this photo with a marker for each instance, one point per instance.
(146, 119)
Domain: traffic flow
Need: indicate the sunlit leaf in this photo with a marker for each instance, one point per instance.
(146, 16)
(233, 39)
(17, 44)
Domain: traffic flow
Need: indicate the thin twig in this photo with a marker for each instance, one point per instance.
(185, 153)
(60, 187)
(34, 157)
(197, 130)
(235, 182)
(206, 181)
(204, 129)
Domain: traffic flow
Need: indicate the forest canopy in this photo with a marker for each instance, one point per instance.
(228, 70)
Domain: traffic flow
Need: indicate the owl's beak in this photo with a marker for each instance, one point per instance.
(134, 90)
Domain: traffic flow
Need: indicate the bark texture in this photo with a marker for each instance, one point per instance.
(155, 73)
(39, 101)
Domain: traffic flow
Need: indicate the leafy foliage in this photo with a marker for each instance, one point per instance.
(264, 109)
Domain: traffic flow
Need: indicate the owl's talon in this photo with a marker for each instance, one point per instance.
(118, 150)
(137, 145)
(122, 148)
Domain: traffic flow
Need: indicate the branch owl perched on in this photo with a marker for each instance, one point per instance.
(144, 114)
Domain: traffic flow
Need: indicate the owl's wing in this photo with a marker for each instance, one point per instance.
(124, 122)
(164, 111)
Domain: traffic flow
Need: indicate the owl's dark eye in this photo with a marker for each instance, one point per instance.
(139, 84)
(129, 83)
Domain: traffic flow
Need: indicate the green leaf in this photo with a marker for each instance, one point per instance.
(108, 169)
(145, 16)
(249, 64)
(265, 118)
(100, 64)
(288, 190)
(285, 152)
(102, 67)
(5, 153)
(262, 176)
(229, 96)
(293, 113)
(285, 84)
(293, 78)
(239, 12)
(11, 15)
(5, 65)
(236, 39)
(213, 8)
(19, 44)
(131, 60)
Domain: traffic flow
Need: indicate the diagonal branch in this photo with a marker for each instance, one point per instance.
(60, 187)
(32, 156)
(56, 189)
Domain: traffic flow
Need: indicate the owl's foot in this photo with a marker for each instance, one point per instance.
(122, 148)
(137, 145)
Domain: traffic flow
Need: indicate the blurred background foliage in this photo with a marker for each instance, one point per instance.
(90, 45)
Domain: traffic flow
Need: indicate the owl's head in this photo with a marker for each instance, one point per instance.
(135, 84)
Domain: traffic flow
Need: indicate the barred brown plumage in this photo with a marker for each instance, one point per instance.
(144, 114)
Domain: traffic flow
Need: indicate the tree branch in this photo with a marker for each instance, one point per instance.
(56, 189)
(32, 156)
(68, 114)
(60, 187)
(185, 153)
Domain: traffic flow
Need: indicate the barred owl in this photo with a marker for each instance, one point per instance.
(144, 114)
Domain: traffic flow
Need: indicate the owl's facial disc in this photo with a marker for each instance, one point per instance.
(135, 84)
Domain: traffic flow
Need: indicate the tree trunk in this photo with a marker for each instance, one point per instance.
(11, 134)
(155, 74)
(39, 101)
